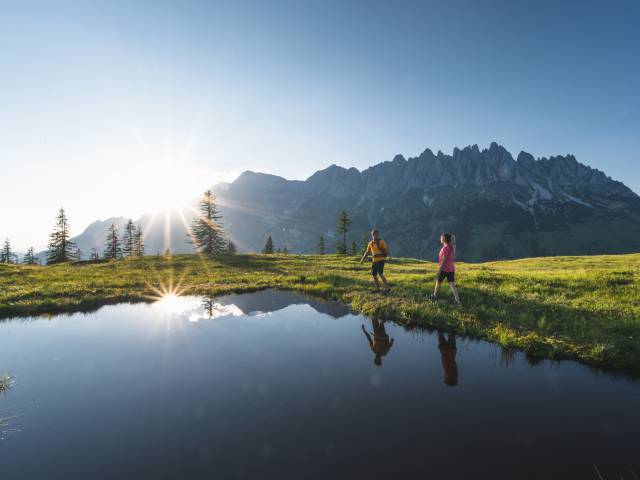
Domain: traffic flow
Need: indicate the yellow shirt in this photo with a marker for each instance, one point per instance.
(378, 250)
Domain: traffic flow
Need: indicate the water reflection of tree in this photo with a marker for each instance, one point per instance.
(208, 305)
(6, 382)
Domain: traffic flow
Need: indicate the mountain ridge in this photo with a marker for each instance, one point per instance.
(499, 206)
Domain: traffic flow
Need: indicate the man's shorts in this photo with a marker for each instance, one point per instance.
(377, 268)
(450, 276)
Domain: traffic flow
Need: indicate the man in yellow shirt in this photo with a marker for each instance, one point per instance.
(379, 252)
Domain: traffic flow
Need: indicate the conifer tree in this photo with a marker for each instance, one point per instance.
(321, 245)
(285, 251)
(94, 254)
(129, 239)
(268, 247)
(6, 254)
(342, 229)
(78, 254)
(138, 250)
(231, 248)
(60, 247)
(30, 258)
(354, 248)
(279, 250)
(112, 247)
(365, 241)
(206, 230)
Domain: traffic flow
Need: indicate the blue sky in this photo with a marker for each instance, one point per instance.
(120, 108)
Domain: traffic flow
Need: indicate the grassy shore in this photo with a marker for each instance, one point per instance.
(584, 308)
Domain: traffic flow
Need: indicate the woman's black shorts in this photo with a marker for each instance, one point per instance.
(450, 276)
(377, 268)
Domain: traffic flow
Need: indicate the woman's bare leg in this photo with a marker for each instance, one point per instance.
(456, 293)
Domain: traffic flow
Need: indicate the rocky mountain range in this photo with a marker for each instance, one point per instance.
(498, 207)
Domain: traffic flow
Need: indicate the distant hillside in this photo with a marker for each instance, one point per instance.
(499, 207)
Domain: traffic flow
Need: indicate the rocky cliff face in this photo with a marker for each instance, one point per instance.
(498, 206)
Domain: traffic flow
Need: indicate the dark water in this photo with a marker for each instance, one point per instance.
(274, 385)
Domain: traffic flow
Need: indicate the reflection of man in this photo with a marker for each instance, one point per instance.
(448, 352)
(380, 344)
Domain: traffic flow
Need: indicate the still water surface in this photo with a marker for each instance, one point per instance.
(277, 385)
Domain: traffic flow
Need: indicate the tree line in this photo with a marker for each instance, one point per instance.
(205, 232)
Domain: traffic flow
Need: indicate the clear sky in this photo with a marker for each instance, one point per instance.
(120, 108)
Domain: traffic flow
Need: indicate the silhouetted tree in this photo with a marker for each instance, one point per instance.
(112, 247)
(268, 247)
(206, 230)
(365, 241)
(138, 249)
(6, 254)
(129, 239)
(78, 254)
(285, 251)
(342, 229)
(354, 248)
(60, 247)
(231, 248)
(94, 254)
(30, 258)
(321, 245)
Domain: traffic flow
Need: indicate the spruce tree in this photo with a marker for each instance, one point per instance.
(6, 254)
(321, 245)
(285, 251)
(231, 248)
(112, 247)
(138, 250)
(206, 230)
(354, 248)
(30, 258)
(342, 229)
(268, 247)
(129, 239)
(78, 254)
(365, 241)
(60, 247)
(94, 254)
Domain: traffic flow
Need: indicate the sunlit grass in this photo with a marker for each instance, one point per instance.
(586, 308)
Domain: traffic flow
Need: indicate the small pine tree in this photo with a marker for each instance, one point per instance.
(129, 239)
(354, 248)
(78, 254)
(279, 250)
(322, 246)
(94, 254)
(112, 247)
(342, 229)
(268, 247)
(231, 248)
(60, 247)
(167, 252)
(138, 250)
(30, 258)
(206, 230)
(285, 251)
(6, 254)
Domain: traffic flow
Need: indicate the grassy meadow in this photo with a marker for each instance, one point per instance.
(583, 308)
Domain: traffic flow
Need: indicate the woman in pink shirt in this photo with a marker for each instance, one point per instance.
(447, 266)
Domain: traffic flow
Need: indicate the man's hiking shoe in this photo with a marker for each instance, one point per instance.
(386, 291)
(375, 290)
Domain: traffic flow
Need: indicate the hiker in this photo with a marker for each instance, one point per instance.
(380, 252)
(447, 266)
(448, 350)
(380, 344)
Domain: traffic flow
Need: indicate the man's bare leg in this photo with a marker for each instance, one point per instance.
(384, 280)
(375, 282)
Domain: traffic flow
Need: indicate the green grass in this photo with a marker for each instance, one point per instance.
(584, 308)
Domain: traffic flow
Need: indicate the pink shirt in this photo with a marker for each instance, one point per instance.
(450, 264)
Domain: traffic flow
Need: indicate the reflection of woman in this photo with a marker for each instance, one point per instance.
(448, 352)
(380, 344)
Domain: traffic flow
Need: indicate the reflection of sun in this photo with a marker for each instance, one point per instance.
(171, 304)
